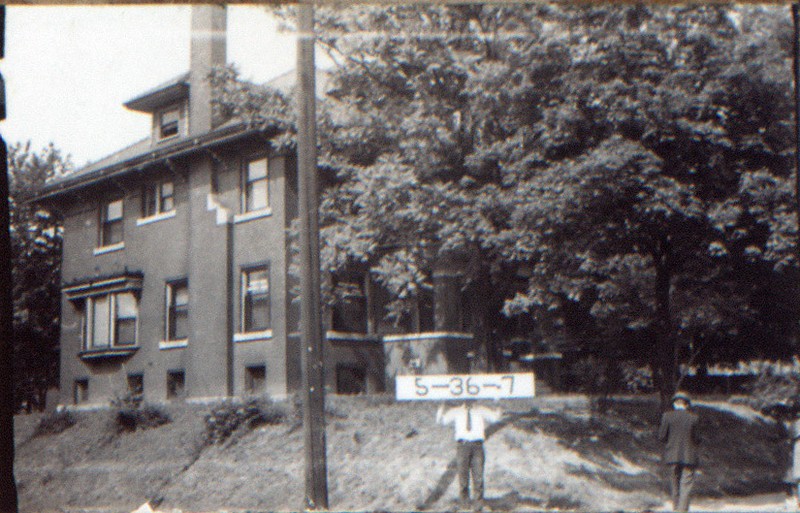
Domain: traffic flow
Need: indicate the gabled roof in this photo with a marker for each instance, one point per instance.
(170, 91)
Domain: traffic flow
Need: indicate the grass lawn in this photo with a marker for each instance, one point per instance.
(551, 453)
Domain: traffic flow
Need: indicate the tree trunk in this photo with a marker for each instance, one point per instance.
(8, 488)
(665, 350)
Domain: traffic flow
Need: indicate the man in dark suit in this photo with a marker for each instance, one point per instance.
(679, 430)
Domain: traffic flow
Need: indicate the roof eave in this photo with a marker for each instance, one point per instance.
(177, 149)
(152, 102)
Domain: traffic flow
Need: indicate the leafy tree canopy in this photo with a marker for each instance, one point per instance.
(618, 171)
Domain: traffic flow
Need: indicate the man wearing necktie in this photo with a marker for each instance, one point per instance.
(470, 423)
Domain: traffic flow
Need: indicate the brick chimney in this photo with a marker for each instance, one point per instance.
(207, 51)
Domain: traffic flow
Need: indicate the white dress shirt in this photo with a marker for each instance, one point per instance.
(479, 418)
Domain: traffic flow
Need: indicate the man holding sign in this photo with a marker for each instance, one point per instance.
(470, 421)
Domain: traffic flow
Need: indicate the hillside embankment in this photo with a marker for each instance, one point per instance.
(557, 453)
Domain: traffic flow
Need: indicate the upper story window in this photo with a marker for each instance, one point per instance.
(255, 299)
(111, 223)
(168, 123)
(255, 186)
(158, 198)
(177, 310)
(109, 320)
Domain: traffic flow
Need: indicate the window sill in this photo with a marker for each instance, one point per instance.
(249, 216)
(102, 250)
(154, 219)
(166, 138)
(343, 336)
(252, 336)
(107, 352)
(173, 344)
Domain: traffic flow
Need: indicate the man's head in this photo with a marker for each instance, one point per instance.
(681, 401)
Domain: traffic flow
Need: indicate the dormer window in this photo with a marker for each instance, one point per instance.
(168, 123)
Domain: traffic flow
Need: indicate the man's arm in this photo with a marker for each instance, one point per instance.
(696, 432)
(441, 415)
(492, 414)
(663, 429)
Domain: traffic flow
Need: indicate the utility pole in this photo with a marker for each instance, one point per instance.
(796, 61)
(8, 487)
(313, 371)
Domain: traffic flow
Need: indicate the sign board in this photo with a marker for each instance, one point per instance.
(442, 387)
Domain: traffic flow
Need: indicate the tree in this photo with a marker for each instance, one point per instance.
(647, 207)
(613, 173)
(36, 248)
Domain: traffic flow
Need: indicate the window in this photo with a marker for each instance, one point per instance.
(80, 391)
(169, 123)
(110, 320)
(111, 223)
(350, 379)
(255, 379)
(255, 299)
(255, 187)
(349, 313)
(136, 385)
(158, 198)
(176, 384)
(178, 310)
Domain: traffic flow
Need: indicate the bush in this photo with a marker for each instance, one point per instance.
(55, 423)
(131, 414)
(637, 379)
(141, 417)
(776, 393)
(229, 417)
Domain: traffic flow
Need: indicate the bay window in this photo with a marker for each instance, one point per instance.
(109, 320)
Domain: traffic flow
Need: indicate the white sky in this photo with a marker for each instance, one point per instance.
(68, 69)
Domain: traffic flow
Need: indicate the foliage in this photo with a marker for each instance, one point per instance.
(54, 423)
(619, 176)
(36, 234)
(228, 418)
(637, 379)
(130, 414)
(776, 393)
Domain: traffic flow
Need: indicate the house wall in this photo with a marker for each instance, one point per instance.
(202, 242)
(256, 242)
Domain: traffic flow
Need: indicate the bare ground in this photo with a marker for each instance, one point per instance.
(552, 453)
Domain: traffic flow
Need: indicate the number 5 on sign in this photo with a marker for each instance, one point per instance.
(438, 387)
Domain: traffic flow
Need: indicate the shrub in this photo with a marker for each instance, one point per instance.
(55, 423)
(131, 414)
(775, 393)
(637, 379)
(229, 417)
(142, 417)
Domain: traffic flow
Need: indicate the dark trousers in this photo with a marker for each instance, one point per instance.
(470, 458)
(681, 485)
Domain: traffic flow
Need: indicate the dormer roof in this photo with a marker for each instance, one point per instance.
(168, 93)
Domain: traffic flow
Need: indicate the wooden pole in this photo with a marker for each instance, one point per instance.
(8, 488)
(796, 62)
(313, 371)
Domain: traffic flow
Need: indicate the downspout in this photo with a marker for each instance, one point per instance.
(229, 237)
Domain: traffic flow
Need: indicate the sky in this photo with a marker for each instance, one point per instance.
(69, 69)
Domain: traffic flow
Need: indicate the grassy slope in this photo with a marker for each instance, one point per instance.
(388, 456)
